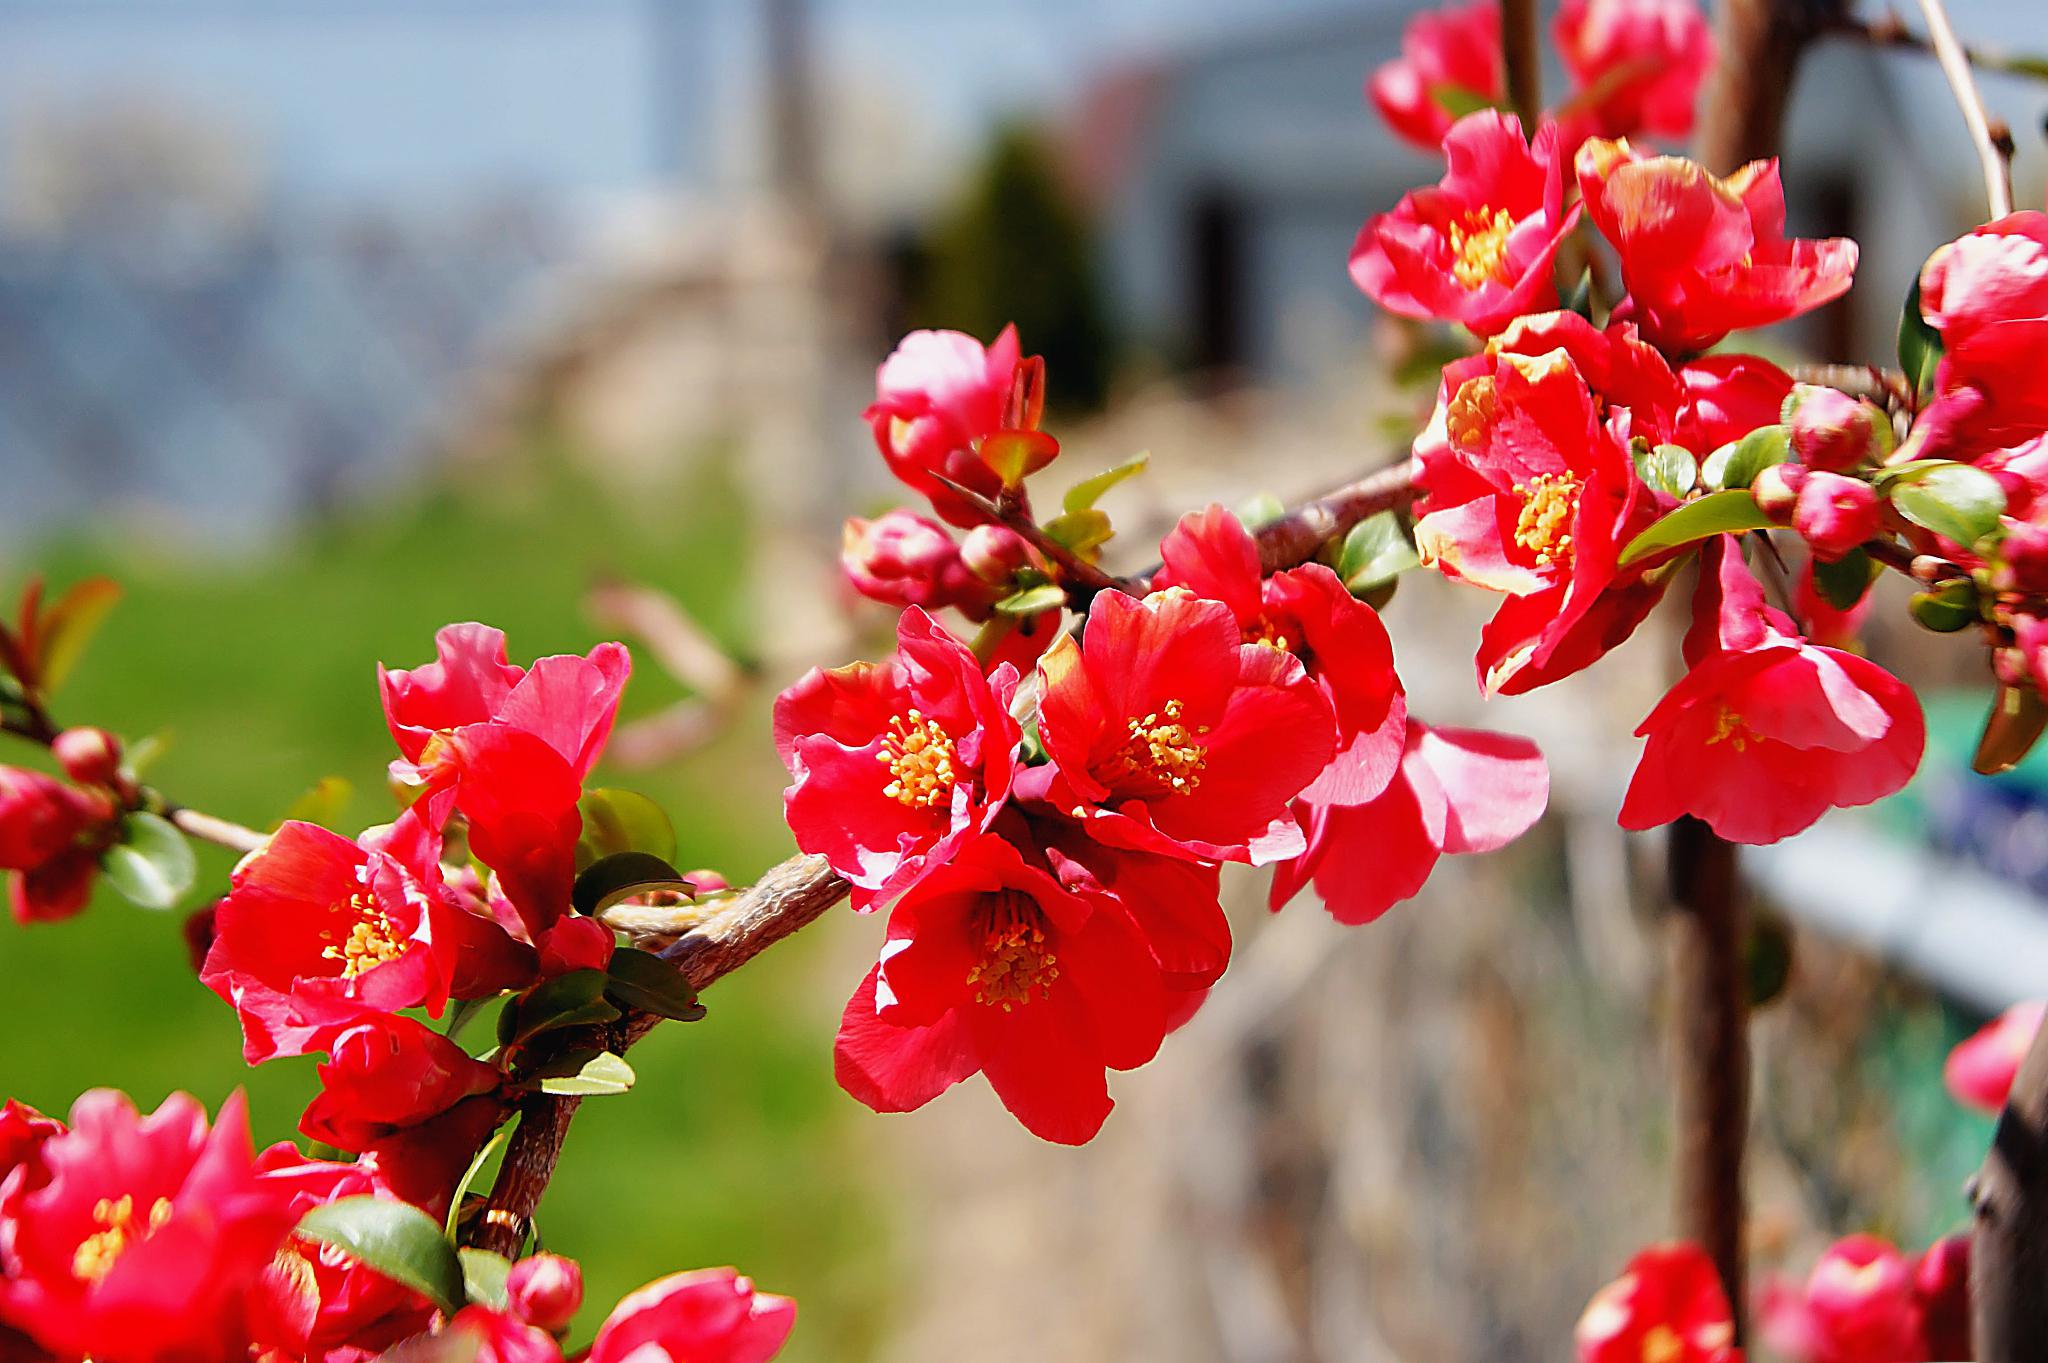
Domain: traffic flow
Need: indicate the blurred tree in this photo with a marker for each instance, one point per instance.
(1016, 248)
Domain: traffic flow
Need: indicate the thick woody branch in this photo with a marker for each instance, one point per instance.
(1296, 538)
(1761, 42)
(2009, 1251)
(1888, 30)
(1994, 154)
(1523, 63)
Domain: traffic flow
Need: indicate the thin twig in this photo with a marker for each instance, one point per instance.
(1888, 30)
(221, 832)
(1955, 64)
(1076, 573)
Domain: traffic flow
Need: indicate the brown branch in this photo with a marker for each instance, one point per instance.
(1993, 154)
(1888, 30)
(1761, 42)
(1524, 65)
(2009, 1249)
(1295, 538)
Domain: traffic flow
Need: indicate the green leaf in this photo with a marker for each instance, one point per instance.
(643, 980)
(595, 1075)
(1083, 495)
(1920, 346)
(1717, 513)
(2016, 721)
(1261, 508)
(1082, 531)
(152, 865)
(324, 803)
(395, 1238)
(483, 1276)
(1842, 583)
(68, 625)
(1755, 452)
(1458, 100)
(1955, 500)
(1016, 455)
(572, 1000)
(1668, 468)
(624, 875)
(617, 821)
(454, 1344)
(1032, 600)
(1376, 552)
(1946, 608)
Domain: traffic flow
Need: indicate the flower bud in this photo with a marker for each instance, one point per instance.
(56, 889)
(1834, 514)
(994, 554)
(2022, 562)
(1776, 489)
(544, 1291)
(1831, 430)
(904, 559)
(1862, 1303)
(1941, 1280)
(706, 881)
(39, 817)
(91, 757)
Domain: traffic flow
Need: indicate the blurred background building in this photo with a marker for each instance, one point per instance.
(325, 321)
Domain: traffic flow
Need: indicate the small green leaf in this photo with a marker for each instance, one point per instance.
(1669, 468)
(1946, 608)
(643, 980)
(1717, 513)
(152, 865)
(1016, 455)
(1261, 508)
(1458, 100)
(1755, 452)
(1083, 495)
(617, 821)
(595, 1075)
(324, 803)
(1376, 552)
(2017, 718)
(624, 875)
(1032, 600)
(1920, 345)
(1955, 500)
(68, 625)
(1082, 531)
(483, 1276)
(1842, 583)
(572, 1000)
(397, 1239)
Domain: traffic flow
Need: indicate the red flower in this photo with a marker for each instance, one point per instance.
(903, 559)
(315, 1300)
(1766, 732)
(145, 1240)
(319, 932)
(1835, 513)
(1668, 1307)
(1458, 790)
(55, 890)
(23, 1130)
(1529, 489)
(1987, 294)
(1637, 64)
(937, 398)
(387, 1074)
(1980, 1070)
(1822, 621)
(1860, 1305)
(545, 1291)
(1480, 248)
(896, 764)
(1727, 397)
(501, 1337)
(993, 965)
(1450, 61)
(40, 816)
(1941, 1282)
(1170, 734)
(1307, 612)
(712, 1315)
(1702, 256)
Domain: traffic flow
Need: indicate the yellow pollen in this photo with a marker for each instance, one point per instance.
(371, 941)
(1662, 1345)
(96, 1254)
(1550, 500)
(1729, 728)
(1470, 413)
(899, 434)
(1268, 635)
(1014, 964)
(1479, 247)
(1161, 752)
(919, 756)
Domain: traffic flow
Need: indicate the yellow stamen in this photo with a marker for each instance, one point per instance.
(919, 756)
(1729, 728)
(1014, 964)
(97, 1253)
(1470, 413)
(1550, 501)
(372, 939)
(1662, 1345)
(1267, 634)
(1479, 247)
(1161, 752)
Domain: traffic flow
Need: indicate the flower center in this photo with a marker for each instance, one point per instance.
(1161, 752)
(1729, 728)
(1015, 963)
(1267, 633)
(1479, 247)
(372, 939)
(919, 756)
(96, 1254)
(1470, 413)
(1549, 501)
(1662, 1345)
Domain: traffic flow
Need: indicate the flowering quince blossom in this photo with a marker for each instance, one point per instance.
(1726, 397)
(903, 559)
(1171, 734)
(1450, 61)
(712, 1315)
(993, 965)
(1668, 1307)
(896, 764)
(1480, 248)
(1637, 64)
(1980, 1070)
(1529, 489)
(1865, 1302)
(1457, 790)
(138, 1239)
(50, 839)
(937, 398)
(1766, 732)
(1987, 294)
(1703, 256)
(386, 1074)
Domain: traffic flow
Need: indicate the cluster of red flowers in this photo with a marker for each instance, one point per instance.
(53, 833)
(158, 1240)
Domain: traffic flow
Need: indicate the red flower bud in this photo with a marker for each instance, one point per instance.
(55, 890)
(1776, 489)
(994, 553)
(903, 559)
(1834, 514)
(91, 757)
(545, 1291)
(1942, 1282)
(1860, 1300)
(39, 817)
(2023, 560)
(1831, 430)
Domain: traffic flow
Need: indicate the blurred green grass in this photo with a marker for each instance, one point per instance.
(260, 673)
